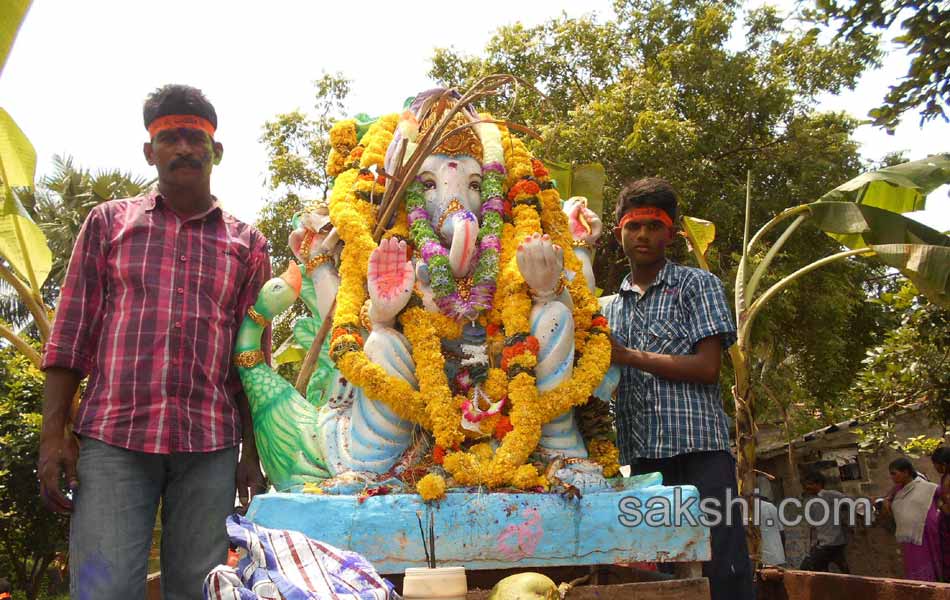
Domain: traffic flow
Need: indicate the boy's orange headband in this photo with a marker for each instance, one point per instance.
(179, 122)
(646, 213)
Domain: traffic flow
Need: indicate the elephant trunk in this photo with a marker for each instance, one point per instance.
(462, 229)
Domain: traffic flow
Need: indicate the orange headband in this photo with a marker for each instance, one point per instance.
(179, 122)
(4, 595)
(646, 213)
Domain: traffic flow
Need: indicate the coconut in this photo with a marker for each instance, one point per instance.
(525, 586)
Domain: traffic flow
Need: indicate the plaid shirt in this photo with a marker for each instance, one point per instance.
(149, 310)
(656, 417)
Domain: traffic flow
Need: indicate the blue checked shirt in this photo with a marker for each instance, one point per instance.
(656, 417)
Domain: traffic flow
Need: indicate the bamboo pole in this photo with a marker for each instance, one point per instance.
(313, 354)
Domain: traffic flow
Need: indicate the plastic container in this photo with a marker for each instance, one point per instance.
(442, 583)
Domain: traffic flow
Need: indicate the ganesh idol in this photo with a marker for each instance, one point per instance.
(463, 341)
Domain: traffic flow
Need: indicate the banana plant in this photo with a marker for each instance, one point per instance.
(25, 258)
(865, 216)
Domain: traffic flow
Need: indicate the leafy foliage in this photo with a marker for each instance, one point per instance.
(66, 196)
(297, 148)
(911, 363)
(276, 223)
(298, 145)
(925, 26)
(30, 535)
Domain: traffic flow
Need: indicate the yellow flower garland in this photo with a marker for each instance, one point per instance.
(603, 452)
(342, 142)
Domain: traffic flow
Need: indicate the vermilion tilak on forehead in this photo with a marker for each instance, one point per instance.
(453, 165)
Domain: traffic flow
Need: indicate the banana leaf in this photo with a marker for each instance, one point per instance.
(17, 156)
(700, 232)
(927, 266)
(11, 16)
(920, 253)
(22, 243)
(289, 352)
(899, 188)
(585, 180)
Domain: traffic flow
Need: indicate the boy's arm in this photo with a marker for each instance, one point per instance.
(701, 367)
(709, 329)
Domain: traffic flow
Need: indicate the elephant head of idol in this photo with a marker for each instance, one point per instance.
(451, 176)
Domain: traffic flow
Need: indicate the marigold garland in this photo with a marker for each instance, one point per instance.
(603, 452)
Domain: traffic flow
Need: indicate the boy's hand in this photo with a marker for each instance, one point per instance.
(619, 354)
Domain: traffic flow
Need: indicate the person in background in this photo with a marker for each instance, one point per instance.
(772, 530)
(913, 503)
(941, 462)
(5, 590)
(829, 534)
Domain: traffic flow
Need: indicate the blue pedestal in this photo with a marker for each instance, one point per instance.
(480, 530)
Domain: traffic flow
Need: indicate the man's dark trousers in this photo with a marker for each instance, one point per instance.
(821, 557)
(730, 570)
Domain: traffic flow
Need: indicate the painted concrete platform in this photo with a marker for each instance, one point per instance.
(490, 530)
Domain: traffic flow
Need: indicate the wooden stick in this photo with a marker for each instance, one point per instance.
(313, 354)
(390, 199)
(432, 537)
(404, 174)
(425, 546)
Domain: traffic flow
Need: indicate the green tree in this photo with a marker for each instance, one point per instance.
(65, 197)
(275, 221)
(297, 147)
(298, 144)
(659, 91)
(30, 535)
(925, 31)
(911, 363)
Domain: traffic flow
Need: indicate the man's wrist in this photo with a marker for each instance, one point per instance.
(53, 431)
(248, 449)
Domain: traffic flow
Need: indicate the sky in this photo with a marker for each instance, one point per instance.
(79, 72)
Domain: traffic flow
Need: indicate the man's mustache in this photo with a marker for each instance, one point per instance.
(186, 161)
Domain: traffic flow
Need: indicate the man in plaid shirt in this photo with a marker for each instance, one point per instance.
(670, 325)
(156, 289)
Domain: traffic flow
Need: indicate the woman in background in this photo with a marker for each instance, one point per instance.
(941, 461)
(913, 502)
